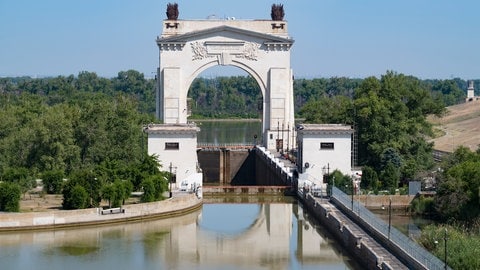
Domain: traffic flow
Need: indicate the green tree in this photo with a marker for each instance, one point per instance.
(89, 182)
(390, 177)
(52, 181)
(9, 197)
(148, 190)
(109, 194)
(79, 198)
(459, 186)
(369, 179)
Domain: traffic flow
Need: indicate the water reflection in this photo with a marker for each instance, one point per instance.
(222, 132)
(266, 235)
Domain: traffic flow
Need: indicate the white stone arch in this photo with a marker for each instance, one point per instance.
(259, 47)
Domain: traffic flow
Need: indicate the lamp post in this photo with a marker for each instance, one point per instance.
(353, 190)
(445, 241)
(389, 216)
(326, 169)
(170, 180)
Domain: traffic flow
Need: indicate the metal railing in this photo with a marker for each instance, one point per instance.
(396, 237)
(225, 145)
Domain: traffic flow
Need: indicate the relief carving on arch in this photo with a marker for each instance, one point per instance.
(246, 50)
(199, 50)
(250, 51)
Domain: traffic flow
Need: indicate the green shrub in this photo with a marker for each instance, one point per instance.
(423, 205)
(9, 197)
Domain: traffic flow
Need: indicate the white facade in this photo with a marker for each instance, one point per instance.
(323, 148)
(470, 91)
(176, 149)
(260, 47)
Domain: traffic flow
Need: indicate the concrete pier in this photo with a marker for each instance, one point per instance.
(359, 243)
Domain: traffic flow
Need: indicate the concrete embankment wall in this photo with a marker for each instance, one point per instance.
(269, 170)
(379, 237)
(92, 216)
(399, 202)
(344, 235)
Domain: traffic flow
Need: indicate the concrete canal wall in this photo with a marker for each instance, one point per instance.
(221, 166)
(251, 167)
(175, 206)
(344, 234)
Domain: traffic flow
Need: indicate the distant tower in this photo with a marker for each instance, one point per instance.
(470, 91)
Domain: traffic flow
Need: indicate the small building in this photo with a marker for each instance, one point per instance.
(323, 148)
(471, 92)
(175, 145)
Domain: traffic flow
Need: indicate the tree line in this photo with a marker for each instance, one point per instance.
(89, 127)
(82, 135)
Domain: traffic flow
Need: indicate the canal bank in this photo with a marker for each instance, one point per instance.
(358, 243)
(178, 205)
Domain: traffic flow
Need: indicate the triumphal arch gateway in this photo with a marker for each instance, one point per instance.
(188, 47)
(259, 47)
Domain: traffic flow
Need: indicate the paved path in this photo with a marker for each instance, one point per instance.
(367, 239)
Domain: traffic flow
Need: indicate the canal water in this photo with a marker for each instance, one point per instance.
(226, 233)
(273, 234)
(230, 131)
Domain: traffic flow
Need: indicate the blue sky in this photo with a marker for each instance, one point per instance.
(435, 39)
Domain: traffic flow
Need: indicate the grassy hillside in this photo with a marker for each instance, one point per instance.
(460, 126)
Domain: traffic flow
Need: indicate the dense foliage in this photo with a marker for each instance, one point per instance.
(225, 97)
(85, 129)
(389, 116)
(61, 127)
(9, 197)
(458, 192)
(463, 246)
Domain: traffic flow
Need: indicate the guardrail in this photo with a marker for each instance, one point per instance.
(225, 145)
(390, 234)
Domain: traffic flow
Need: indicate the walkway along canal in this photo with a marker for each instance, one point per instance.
(374, 243)
(180, 204)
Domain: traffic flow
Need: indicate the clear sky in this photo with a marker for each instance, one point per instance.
(436, 39)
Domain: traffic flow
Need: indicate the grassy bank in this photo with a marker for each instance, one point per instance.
(462, 245)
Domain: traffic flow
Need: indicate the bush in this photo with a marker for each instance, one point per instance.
(9, 197)
(423, 206)
(148, 190)
(52, 182)
(79, 198)
(74, 196)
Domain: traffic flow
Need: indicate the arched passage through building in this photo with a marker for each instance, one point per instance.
(259, 47)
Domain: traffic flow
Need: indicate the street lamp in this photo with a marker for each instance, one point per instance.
(353, 190)
(327, 175)
(170, 180)
(445, 241)
(389, 216)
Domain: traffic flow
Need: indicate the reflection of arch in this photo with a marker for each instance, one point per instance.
(267, 236)
(253, 46)
(258, 221)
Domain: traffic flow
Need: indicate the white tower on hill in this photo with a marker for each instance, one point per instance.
(470, 91)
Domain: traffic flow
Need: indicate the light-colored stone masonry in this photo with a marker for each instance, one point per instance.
(92, 216)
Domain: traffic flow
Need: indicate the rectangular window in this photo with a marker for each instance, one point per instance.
(171, 146)
(327, 146)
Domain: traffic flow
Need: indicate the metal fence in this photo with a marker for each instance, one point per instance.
(225, 145)
(413, 249)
